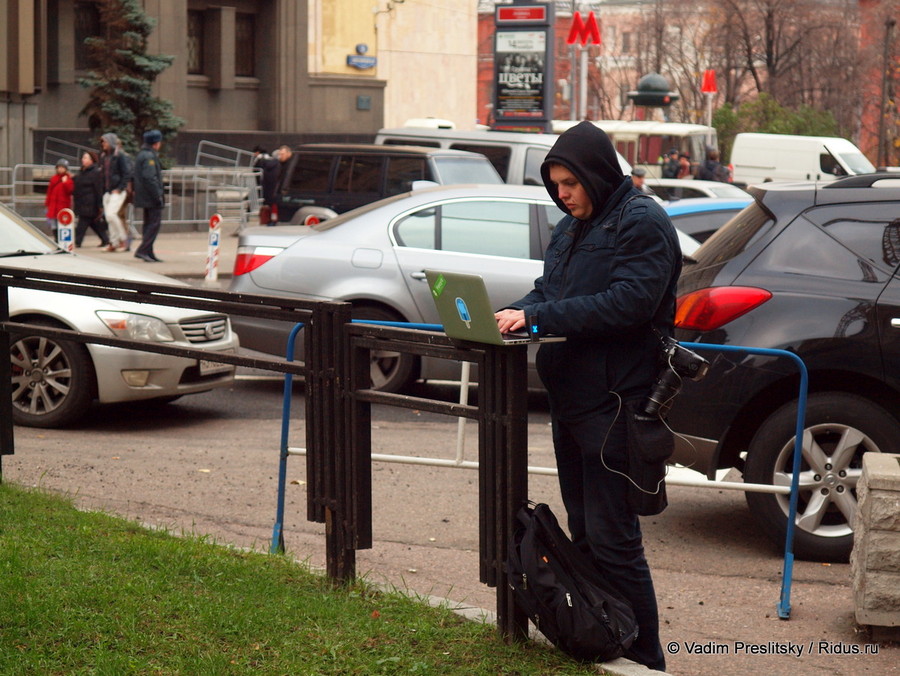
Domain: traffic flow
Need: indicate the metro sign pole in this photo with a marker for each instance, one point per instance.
(583, 32)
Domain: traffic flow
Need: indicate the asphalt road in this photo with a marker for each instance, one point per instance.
(208, 464)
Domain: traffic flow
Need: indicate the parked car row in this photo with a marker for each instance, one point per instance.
(55, 381)
(811, 268)
(801, 267)
(375, 258)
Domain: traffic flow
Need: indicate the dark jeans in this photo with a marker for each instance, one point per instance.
(152, 222)
(98, 225)
(601, 523)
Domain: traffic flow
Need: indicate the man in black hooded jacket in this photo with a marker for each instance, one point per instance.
(608, 286)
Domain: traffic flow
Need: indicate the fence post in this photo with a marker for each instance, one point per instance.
(502, 472)
(6, 407)
(331, 486)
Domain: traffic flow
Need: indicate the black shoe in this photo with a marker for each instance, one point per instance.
(145, 258)
(153, 256)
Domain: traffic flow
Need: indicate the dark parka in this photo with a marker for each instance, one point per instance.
(148, 182)
(88, 193)
(608, 282)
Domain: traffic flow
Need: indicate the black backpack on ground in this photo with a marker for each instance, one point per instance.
(563, 593)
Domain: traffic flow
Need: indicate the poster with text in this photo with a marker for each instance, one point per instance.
(520, 58)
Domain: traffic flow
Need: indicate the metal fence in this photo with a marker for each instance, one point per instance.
(338, 408)
(193, 194)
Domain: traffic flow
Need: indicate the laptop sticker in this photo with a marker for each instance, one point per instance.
(438, 287)
(463, 312)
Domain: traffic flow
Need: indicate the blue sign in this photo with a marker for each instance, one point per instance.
(361, 62)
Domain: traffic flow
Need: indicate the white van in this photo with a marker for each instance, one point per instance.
(756, 158)
(516, 156)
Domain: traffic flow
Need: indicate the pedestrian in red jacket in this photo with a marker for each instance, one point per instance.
(59, 193)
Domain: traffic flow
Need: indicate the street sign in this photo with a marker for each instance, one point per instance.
(212, 256)
(65, 233)
(583, 31)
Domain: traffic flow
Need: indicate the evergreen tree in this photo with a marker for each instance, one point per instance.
(121, 82)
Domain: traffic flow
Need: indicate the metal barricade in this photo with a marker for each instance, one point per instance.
(193, 194)
(212, 154)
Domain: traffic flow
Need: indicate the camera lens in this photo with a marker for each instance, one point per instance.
(667, 386)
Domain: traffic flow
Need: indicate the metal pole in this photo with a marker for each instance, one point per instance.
(6, 406)
(784, 603)
(573, 74)
(882, 140)
(582, 84)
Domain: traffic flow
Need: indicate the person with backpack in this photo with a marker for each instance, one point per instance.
(712, 169)
(608, 287)
(116, 176)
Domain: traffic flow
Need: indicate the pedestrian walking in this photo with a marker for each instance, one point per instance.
(87, 200)
(670, 165)
(685, 170)
(59, 194)
(712, 169)
(270, 169)
(116, 167)
(149, 193)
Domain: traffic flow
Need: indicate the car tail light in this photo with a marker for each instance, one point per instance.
(708, 309)
(251, 257)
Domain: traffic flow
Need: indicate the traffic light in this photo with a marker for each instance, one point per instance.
(653, 90)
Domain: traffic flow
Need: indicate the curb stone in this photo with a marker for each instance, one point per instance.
(617, 667)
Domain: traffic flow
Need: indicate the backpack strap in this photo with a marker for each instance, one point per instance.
(627, 202)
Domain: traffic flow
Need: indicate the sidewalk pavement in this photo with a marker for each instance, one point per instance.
(184, 256)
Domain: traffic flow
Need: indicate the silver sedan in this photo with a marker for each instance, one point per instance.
(374, 257)
(55, 381)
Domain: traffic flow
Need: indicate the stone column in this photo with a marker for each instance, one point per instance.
(875, 559)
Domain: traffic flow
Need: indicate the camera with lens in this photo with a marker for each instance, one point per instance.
(680, 363)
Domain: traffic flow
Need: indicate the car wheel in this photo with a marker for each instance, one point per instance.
(52, 380)
(390, 371)
(840, 428)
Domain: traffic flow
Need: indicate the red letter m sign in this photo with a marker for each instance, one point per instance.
(584, 31)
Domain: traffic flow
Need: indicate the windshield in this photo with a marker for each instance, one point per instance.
(727, 190)
(857, 163)
(19, 236)
(454, 170)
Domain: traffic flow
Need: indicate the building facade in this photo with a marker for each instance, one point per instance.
(244, 70)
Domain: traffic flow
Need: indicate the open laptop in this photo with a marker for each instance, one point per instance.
(465, 310)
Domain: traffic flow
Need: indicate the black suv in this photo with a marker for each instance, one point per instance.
(326, 179)
(812, 269)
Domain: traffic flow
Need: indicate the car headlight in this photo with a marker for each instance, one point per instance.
(135, 326)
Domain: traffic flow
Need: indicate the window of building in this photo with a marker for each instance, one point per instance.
(195, 44)
(627, 45)
(87, 25)
(245, 45)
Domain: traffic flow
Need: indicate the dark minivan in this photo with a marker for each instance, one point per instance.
(325, 179)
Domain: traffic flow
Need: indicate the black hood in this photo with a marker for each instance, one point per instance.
(587, 152)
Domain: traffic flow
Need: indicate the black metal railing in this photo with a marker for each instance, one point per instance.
(338, 408)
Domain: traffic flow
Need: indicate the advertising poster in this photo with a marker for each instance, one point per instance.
(520, 75)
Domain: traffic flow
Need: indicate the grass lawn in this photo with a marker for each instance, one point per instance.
(89, 593)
